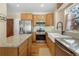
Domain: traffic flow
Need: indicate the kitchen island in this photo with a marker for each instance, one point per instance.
(17, 45)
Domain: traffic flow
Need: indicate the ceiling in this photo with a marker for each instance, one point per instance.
(31, 7)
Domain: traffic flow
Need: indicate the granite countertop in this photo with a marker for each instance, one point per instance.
(13, 41)
(71, 43)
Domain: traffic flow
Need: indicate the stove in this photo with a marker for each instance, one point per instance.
(40, 34)
(40, 31)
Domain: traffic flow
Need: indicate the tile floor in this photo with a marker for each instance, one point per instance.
(40, 49)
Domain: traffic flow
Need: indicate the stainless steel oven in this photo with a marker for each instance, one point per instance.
(40, 37)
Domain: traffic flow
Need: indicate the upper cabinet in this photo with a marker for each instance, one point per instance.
(50, 19)
(38, 18)
(41, 17)
(26, 16)
(3, 9)
(47, 18)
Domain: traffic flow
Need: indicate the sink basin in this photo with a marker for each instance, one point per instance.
(57, 35)
(71, 41)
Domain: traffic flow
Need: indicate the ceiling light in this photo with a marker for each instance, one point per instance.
(18, 5)
(42, 5)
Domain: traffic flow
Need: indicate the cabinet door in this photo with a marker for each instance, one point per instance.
(26, 16)
(38, 17)
(51, 46)
(9, 26)
(29, 46)
(7, 51)
(41, 17)
(23, 49)
(50, 19)
(34, 20)
(34, 37)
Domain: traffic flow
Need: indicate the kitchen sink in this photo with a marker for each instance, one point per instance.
(71, 41)
(57, 35)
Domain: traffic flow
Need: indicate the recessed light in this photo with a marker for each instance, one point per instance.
(18, 5)
(42, 5)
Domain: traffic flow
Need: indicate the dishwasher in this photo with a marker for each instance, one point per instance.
(61, 50)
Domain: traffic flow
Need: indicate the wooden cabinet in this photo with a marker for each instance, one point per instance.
(10, 27)
(26, 16)
(29, 46)
(38, 18)
(8, 51)
(41, 17)
(51, 45)
(34, 37)
(34, 20)
(62, 50)
(50, 19)
(23, 49)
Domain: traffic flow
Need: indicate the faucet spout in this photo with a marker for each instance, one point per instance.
(61, 27)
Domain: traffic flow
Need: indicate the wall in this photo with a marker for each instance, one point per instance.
(59, 16)
(3, 8)
(2, 29)
(16, 26)
(16, 17)
(55, 19)
(3, 11)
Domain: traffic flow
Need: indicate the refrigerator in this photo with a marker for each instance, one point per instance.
(25, 27)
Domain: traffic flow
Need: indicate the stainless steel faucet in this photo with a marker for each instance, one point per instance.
(61, 27)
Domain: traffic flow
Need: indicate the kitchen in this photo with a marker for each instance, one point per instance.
(39, 29)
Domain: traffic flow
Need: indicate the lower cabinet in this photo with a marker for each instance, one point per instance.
(25, 48)
(6, 51)
(51, 45)
(33, 37)
(62, 50)
(29, 46)
(57, 49)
